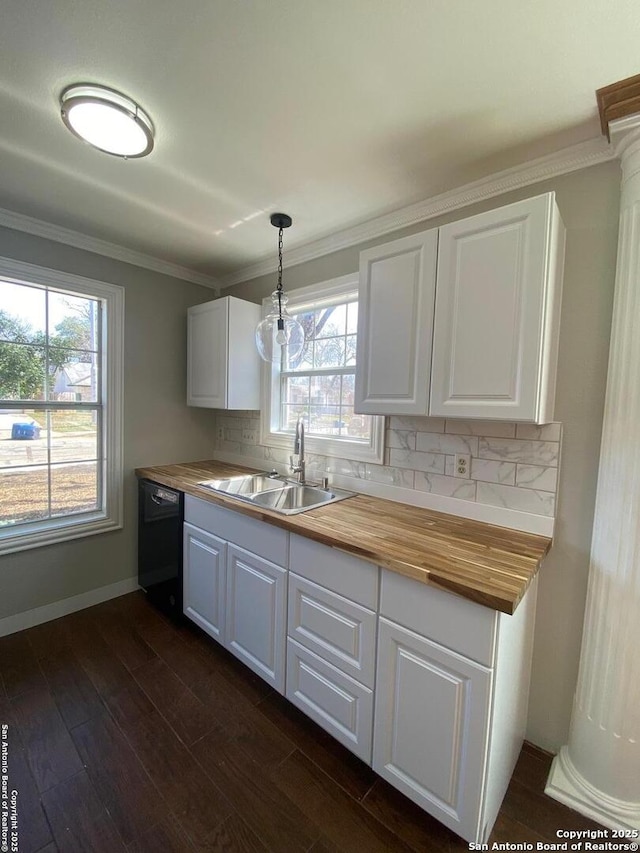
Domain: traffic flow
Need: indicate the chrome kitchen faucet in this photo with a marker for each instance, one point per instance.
(298, 450)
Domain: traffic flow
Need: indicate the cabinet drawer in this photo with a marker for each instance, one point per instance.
(349, 576)
(257, 536)
(446, 619)
(338, 703)
(340, 631)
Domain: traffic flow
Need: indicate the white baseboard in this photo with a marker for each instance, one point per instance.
(567, 786)
(29, 618)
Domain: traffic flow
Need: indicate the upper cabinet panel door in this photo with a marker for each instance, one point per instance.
(395, 321)
(497, 313)
(207, 354)
(223, 366)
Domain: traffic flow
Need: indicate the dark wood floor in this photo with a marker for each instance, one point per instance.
(127, 732)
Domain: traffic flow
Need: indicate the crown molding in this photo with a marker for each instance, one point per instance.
(49, 231)
(580, 156)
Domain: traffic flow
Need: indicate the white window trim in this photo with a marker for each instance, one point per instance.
(314, 296)
(110, 517)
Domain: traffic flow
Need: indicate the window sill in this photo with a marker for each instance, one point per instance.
(13, 540)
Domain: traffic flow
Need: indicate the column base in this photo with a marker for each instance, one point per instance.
(569, 787)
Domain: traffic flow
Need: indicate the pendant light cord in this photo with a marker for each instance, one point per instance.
(279, 287)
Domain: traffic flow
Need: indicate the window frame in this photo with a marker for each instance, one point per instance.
(342, 447)
(109, 517)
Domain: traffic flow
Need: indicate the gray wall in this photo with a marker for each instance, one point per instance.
(158, 426)
(589, 204)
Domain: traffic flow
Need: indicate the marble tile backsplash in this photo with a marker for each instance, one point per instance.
(512, 465)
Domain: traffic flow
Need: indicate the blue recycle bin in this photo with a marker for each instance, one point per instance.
(25, 431)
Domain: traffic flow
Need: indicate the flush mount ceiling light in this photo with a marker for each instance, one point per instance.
(279, 337)
(106, 119)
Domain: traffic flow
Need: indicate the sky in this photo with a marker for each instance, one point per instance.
(29, 304)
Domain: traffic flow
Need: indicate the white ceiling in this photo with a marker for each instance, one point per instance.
(334, 111)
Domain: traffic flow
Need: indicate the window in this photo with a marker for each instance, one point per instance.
(60, 406)
(320, 385)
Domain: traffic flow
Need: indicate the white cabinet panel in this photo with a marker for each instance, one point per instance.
(497, 313)
(432, 714)
(395, 321)
(267, 541)
(223, 366)
(447, 619)
(204, 580)
(255, 614)
(333, 569)
(340, 631)
(338, 703)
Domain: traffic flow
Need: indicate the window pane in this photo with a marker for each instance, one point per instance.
(296, 390)
(73, 376)
(74, 488)
(330, 322)
(23, 438)
(73, 321)
(22, 371)
(325, 390)
(22, 313)
(290, 415)
(74, 435)
(329, 353)
(324, 420)
(358, 426)
(23, 495)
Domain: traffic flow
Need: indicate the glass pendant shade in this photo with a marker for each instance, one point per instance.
(279, 337)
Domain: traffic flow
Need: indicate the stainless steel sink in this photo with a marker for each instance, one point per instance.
(298, 498)
(276, 493)
(246, 484)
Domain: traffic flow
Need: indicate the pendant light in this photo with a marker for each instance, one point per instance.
(107, 119)
(279, 337)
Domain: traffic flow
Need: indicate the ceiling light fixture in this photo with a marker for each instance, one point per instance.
(279, 337)
(106, 119)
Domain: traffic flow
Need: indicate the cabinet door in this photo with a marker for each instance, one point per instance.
(497, 313)
(207, 347)
(255, 617)
(431, 726)
(395, 322)
(204, 567)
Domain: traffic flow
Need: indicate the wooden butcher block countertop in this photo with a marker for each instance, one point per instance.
(490, 565)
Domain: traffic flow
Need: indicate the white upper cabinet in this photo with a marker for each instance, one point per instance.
(490, 348)
(223, 365)
(395, 322)
(497, 314)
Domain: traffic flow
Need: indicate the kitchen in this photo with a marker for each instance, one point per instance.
(155, 352)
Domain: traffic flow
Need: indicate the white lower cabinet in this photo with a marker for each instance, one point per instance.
(332, 641)
(237, 594)
(256, 614)
(432, 710)
(440, 710)
(204, 575)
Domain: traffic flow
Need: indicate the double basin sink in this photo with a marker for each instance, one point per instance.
(271, 491)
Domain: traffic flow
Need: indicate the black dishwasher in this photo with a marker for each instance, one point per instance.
(160, 517)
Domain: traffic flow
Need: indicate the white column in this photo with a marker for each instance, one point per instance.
(598, 772)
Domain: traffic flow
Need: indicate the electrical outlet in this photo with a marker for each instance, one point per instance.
(220, 433)
(249, 436)
(462, 465)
